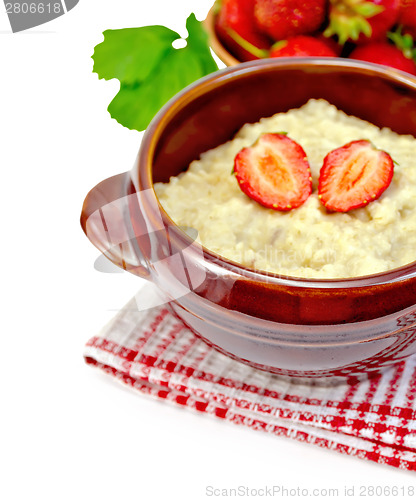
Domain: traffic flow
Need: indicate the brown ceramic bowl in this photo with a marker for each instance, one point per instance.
(217, 46)
(291, 326)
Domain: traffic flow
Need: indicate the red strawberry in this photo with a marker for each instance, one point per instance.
(329, 42)
(407, 17)
(274, 172)
(384, 53)
(283, 18)
(301, 46)
(354, 175)
(235, 28)
(410, 31)
(362, 21)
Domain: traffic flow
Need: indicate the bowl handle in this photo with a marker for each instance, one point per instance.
(106, 222)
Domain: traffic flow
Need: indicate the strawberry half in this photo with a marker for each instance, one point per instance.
(274, 172)
(354, 175)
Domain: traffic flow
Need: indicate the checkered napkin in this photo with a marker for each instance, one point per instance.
(155, 353)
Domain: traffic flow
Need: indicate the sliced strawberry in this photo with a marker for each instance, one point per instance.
(274, 172)
(354, 175)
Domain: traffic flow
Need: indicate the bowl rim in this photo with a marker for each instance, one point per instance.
(219, 49)
(221, 77)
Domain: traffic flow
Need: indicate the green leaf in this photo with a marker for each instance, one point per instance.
(135, 105)
(131, 54)
(150, 70)
(197, 41)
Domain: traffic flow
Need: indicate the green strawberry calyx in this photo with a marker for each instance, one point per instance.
(404, 42)
(349, 18)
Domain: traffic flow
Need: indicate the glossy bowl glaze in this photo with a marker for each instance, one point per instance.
(217, 46)
(290, 326)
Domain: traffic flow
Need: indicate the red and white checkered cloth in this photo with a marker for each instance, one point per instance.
(155, 353)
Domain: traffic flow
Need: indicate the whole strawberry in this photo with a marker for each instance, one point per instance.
(235, 27)
(384, 53)
(281, 19)
(329, 42)
(362, 21)
(302, 46)
(407, 16)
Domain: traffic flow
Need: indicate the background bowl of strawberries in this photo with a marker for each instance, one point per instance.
(375, 31)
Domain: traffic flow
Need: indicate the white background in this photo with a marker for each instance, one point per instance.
(69, 431)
